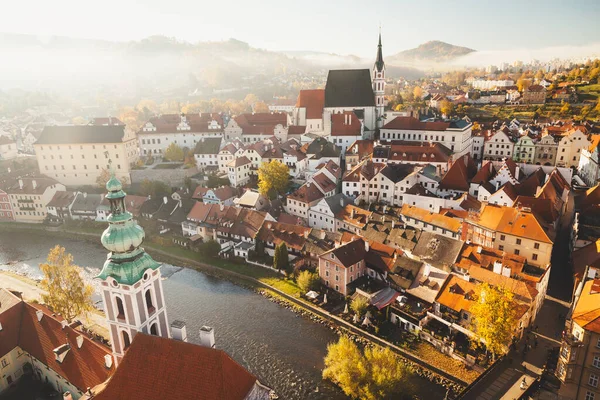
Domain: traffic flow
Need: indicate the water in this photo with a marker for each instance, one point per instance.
(282, 349)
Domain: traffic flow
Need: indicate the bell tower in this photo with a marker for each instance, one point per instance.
(130, 279)
(379, 84)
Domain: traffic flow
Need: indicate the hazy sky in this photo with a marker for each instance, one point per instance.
(337, 26)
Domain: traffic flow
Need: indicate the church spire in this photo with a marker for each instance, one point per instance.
(379, 64)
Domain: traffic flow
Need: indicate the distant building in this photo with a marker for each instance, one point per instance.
(30, 196)
(8, 148)
(534, 94)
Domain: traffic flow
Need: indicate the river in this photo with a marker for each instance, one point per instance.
(284, 350)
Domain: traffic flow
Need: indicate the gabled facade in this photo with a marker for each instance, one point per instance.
(570, 147)
(589, 162)
(498, 146)
(524, 150)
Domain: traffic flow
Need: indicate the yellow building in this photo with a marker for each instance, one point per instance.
(29, 197)
(579, 361)
(77, 155)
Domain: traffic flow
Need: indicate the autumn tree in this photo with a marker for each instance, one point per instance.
(565, 109)
(308, 281)
(376, 374)
(273, 178)
(65, 291)
(174, 153)
(493, 317)
(359, 305)
(103, 178)
(261, 107)
(447, 107)
(418, 93)
(523, 84)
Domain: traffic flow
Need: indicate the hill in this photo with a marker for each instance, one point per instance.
(431, 52)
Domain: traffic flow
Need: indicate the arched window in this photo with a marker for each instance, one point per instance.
(120, 309)
(126, 341)
(154, 329)
(149, 304)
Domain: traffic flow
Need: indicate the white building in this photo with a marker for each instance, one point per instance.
(8, 148)
(238, 171)
(184, 130)
(589, 162)
(30, 196)
(346, 128)
(498, 146)
(570, 147)
(207, 153)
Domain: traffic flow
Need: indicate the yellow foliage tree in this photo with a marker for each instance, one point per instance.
(418, 93)
(447, 108)
(260, 107)
(565, 109)
(523, 84)
(359, 305)
(66, 292)
(376, 374)
(273, 178)
(493, 317)
(174, 153)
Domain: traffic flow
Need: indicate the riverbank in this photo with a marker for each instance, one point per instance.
(431, 364)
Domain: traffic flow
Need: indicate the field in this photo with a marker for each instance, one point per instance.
(589, 92)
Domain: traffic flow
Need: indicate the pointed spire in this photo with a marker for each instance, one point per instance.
(379, 64)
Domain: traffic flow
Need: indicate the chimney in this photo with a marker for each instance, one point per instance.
(479, 249)
(497, 185)
(342, 201)
(393, 224)
(366, 246)
(39, 314)
(21, 184)
(63, 324)
(221, 206)
(178, 331)
(207, 337)
(79, 340)
(108, 361)
(61, 352)
(546, 178)
(497, 267)
(517, 170)
(506, 271)
(352, 213)
(165, 200)
(67, 396)
(34, 184)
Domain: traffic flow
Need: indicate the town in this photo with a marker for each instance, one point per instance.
(452, 223)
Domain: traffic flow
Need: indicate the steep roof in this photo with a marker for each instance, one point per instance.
(437, 250)
(84, 367)
(208, 146)
(460, 174)
(293, 236)
(457, 294)
(260, 123)
(313, 100)
(441, 221)
(307, 193)
(407, 152)
(156, 368)
(512, 221)
(61, 199)
(349, 88)
(362, 147)
(41, 184)
(345, 124)
(86, 202)
(80, 134)
(587, 310)
(349, 253)
(326, 184)
(168, 123)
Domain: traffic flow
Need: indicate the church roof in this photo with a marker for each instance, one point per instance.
(159, 368)
(379, 64)
(349, 88)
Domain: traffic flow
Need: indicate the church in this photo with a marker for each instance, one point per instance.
(357, 93)
(148, 359)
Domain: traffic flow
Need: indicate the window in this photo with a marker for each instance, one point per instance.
(534, 257)
(518, 241)
(589, 396)
(596, 362)
(501, 248)
(517, 251)
(502, 237)
(120, 309)
(593, 380)
(149, 304)
(126, 341)
(154, 329)
(536, 246)
(4, 363)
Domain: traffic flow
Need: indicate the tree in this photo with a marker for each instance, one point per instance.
(66, 292)
(376, 374)
(174, 153)
(103, 178)
(447, 107)
(308, 281)
(585, 111)
(280, 258)
(210, 248)
(155, 189)
(359, 305)
(565, 109)
(273, 178)
(597, 108)
(523, 84)
(493, 317)
(418, 93)
(345, 366)
(261, 107)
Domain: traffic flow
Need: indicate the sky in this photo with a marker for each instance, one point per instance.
(332, 26)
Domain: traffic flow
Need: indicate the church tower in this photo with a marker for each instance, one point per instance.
(379, 84)
(130, 279)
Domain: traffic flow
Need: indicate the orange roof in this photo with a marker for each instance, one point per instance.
(345, 124)
(314, 101)
(158, 368)
(587, 310)
(512, 221)
(307, 193)
(353, 215)
(412, 123)
(361, 147)
(456, 294)
(439, 220)
(83, 367)
(460, 174)
(293, 236)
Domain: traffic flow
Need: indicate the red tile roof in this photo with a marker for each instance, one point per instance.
(307, 193)
(160, 368)
(260, 123)
(83, 367)
(167, 123)
(361, 147)
(324, 182)
(293, 236)
(345, 124)
(349, 253)
(199, 192)
(314, 101)
(435, 152)
(459, 175)
(412, 123)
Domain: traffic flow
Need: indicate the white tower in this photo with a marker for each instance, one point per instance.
(130, 279)
(379, 84)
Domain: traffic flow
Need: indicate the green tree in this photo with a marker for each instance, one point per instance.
(155, 189)
(273, 178)
(493, 317)
(359, 305)
(308, 281)
(174, 153)
(65, 291)
(210, 248)
(280, 258)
